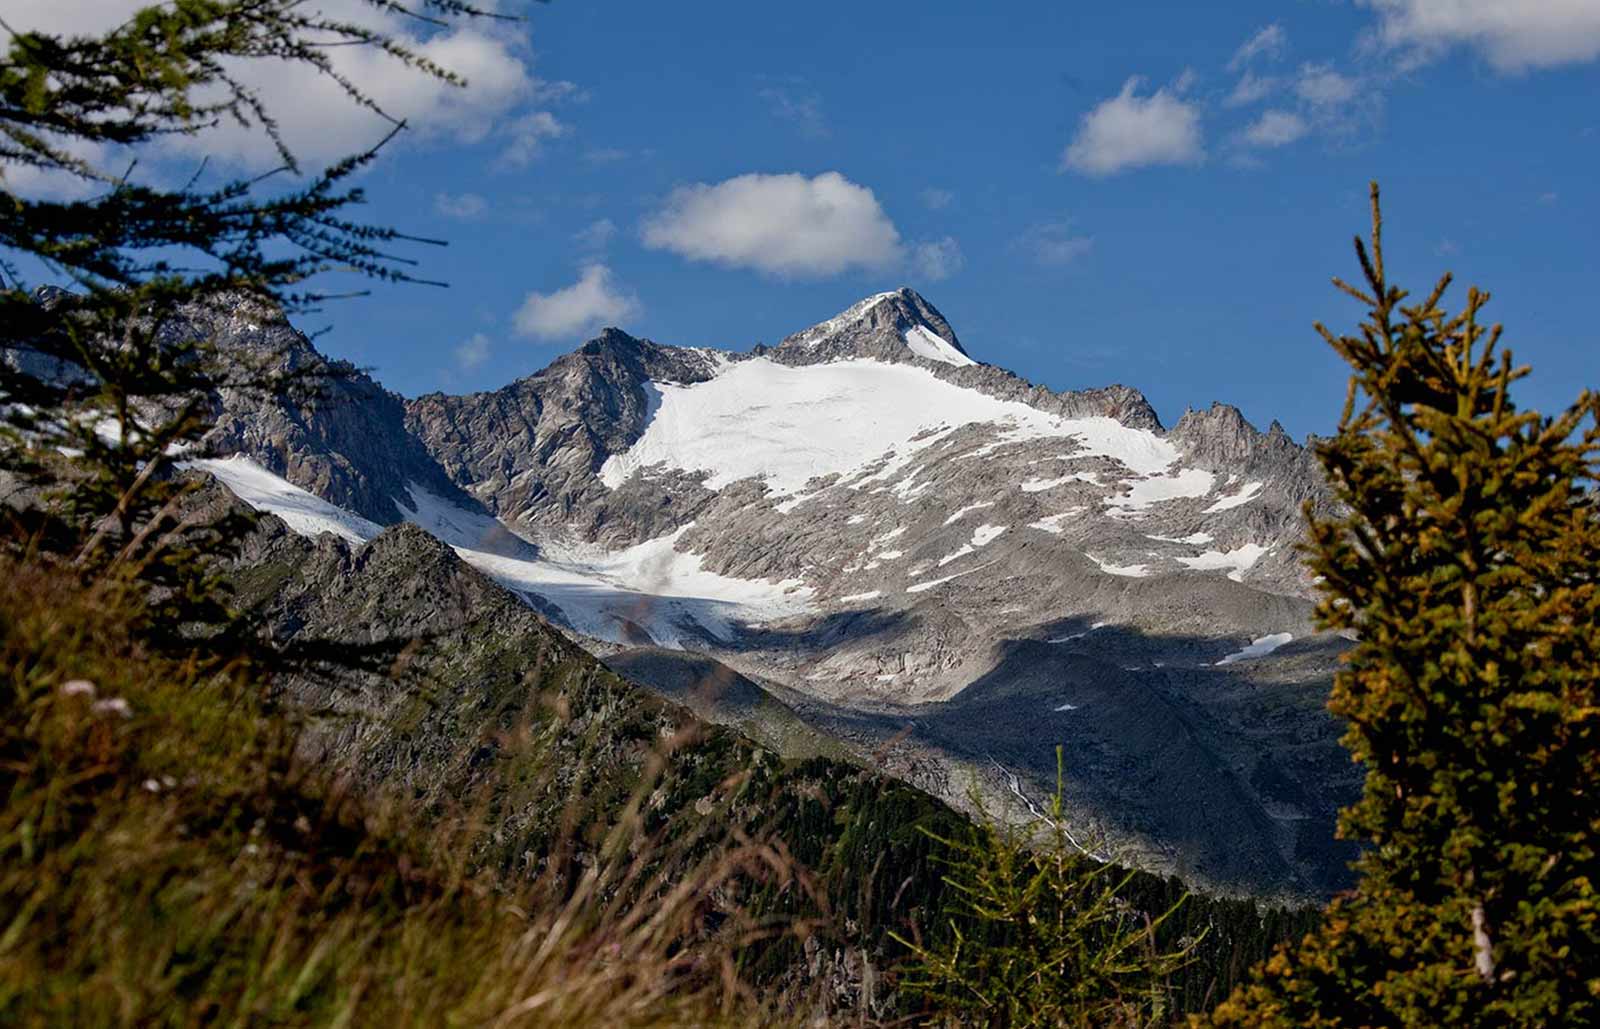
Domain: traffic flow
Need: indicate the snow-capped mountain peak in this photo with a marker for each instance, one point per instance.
(897, 326)
(865, 517)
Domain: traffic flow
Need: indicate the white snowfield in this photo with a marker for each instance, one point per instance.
(862, 420)
(967, 510)
(1261, 646)
(1154, 489)
(982, 536)
(1052, 523)
(923, 587)
(305, 513)
(1246, 493)
(926, 343)
(651, 588)
(1129, 571)
(1237, 561)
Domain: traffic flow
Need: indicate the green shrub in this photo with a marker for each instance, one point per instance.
(1040, 933)
(1466, 566)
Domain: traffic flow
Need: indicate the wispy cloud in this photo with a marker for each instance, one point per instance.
(1269, 42)
(801, 106)
(1053, 244)
(1274, 129)
(472, 352)
(1131, 131)
(1512, 36)
(936, 260)
(526, 136)
(1321, 86)
(596, 235)
(935, 199)
(1251, 88)
(596, 299)
(460, 205)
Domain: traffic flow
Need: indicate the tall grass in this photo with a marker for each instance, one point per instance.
(166, 859)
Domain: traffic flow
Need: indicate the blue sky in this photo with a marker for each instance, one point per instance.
(1154, 194)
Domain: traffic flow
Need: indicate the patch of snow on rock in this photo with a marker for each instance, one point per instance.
(1131, 571)
(926, 343)
(931, 583)
(856, 598)
(892, 534)
(1238, 561)
(966, 510)
(1261, 646)
(1052, 523)
(305, 513)
(1194, 540)
(984, 535)
(1246, 494)
(473, 530)
(1146, 492)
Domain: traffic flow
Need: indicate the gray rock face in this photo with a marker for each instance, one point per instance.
(531, 451)
(349, 444)
(918, 556)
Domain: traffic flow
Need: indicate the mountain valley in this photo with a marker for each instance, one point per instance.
(863, 541)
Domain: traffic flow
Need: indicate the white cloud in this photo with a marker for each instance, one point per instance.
(526, 136)
(1249, 89)
(593, 301)
(1512, 35)
(1130, 131)
(937, 260)
(1320, 86)
(596, 235)
(935, 199)
(1274, 129)
(1268, 42)
(472, 352)
(1053, 244)
(786, 225)
(803, 108)
(53, 184)
(460, 205)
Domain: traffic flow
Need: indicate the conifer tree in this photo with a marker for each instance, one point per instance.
(1465, 566)
(105, 383)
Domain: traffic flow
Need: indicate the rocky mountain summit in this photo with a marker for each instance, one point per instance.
(941, 567)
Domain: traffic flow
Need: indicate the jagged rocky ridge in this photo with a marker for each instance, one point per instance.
(926, 559)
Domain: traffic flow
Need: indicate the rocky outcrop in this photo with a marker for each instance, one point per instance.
(531, 451)
(334, 432)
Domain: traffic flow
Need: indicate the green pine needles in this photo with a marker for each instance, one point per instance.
(1043, 934)
(1465, 566)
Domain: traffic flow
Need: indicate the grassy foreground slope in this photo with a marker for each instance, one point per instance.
(472, 820)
